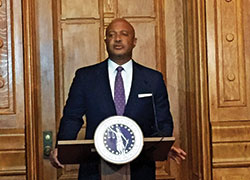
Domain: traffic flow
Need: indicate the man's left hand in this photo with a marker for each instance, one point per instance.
(177, 154)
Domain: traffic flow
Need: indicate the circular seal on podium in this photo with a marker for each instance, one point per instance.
(118, 139)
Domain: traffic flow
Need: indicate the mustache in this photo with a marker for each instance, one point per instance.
(118, 44)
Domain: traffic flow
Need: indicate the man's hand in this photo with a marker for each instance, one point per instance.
(177, 154)
(53, 159)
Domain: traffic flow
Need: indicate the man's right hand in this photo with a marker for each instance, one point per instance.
(53, 159)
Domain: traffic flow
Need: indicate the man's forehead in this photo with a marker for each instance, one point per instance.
(120, 24)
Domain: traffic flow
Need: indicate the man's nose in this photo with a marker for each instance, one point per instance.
(118, 37)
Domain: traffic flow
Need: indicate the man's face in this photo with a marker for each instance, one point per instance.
(120, 40)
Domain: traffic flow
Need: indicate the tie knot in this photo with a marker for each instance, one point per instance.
(119, 68)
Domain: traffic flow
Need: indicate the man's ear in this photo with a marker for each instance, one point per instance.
(135, 41)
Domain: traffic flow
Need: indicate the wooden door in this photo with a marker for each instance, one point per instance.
(12, 100)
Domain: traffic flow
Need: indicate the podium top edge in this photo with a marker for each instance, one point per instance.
(152, 139)
(65, 142)
(91, 141)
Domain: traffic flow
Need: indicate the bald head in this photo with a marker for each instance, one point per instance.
(120, 20)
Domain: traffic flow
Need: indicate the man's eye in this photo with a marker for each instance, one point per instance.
(125, 33)
(111, 35)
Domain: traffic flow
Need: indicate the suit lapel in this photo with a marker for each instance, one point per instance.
(139, 83)
(104, 93)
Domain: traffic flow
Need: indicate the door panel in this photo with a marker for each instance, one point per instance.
(79, 9)
(129, 8)
(146, 42)
(79, 49)
(12, 116)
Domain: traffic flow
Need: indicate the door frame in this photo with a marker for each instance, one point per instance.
(31, 86)
(197, 88)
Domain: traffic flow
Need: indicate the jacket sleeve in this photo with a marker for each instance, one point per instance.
(75, 108)
(162, 108)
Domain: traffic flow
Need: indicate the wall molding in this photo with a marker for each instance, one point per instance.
(31, 92)
(197, 90)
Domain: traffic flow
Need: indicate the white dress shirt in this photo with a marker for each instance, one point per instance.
(127, 74)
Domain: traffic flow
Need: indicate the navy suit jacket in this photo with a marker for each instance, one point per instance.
(90, 94)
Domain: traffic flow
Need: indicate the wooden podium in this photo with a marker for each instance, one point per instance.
(77, 151)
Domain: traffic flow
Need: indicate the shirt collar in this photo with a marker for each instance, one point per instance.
(127, 66)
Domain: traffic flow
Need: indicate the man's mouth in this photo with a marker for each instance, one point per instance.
(118, 47)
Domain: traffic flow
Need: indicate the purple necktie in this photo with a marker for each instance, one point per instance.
(119, 94)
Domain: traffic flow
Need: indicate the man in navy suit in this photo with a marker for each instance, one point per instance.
(92, 94)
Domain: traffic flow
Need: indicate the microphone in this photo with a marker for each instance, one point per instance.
(159, 132)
